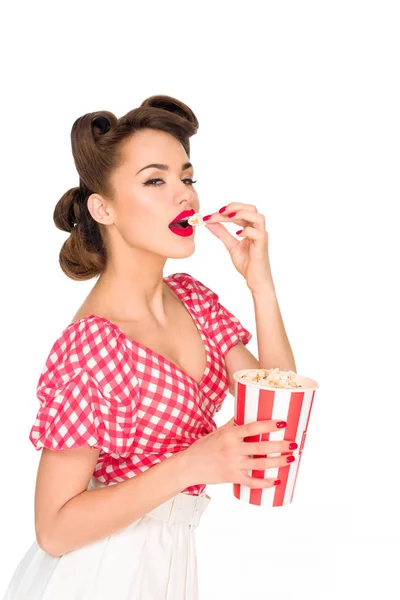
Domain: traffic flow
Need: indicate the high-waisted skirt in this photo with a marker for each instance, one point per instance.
(153, 558)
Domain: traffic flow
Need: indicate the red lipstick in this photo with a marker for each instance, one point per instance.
(180, 225)
(183, 232)
(183, 214)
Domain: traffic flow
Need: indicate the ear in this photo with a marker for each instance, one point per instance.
(100, 209)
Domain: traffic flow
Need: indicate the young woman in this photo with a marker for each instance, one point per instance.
(130, 387)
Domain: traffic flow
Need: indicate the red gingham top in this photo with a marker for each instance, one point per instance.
(102, 389)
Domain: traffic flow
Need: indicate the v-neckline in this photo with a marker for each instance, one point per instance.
(192, 314)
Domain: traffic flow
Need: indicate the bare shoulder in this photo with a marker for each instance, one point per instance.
(86, 309)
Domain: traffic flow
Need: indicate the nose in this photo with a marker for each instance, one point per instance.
(185, 195)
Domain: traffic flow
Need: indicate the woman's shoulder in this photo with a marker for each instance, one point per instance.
(224, 325)
(88, 391)
(88, 334)
(195, 289)
(88, 343)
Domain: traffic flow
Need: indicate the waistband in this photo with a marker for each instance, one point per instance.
(182, 508)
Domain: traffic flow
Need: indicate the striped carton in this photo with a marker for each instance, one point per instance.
(293, 405)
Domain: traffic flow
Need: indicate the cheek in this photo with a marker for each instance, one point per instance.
(137, 208)
(143, 222)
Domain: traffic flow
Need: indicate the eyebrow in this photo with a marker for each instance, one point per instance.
(165, 167)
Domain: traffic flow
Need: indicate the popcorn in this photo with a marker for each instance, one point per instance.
(271, 378)
(195, 219)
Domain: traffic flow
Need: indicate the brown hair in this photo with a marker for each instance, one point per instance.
(97, 140)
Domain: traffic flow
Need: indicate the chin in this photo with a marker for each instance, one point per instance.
(186, 249)
(182, 253)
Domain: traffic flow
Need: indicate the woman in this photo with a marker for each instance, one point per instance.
(130, 387)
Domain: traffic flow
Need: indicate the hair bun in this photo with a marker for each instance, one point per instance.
(102, 123)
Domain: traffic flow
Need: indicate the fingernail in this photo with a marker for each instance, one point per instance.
(239, 232)
(281, 424)
(221, 210)
(277, 482)
(290, 459)
(232, 214)
(293, 446)
(207, 217)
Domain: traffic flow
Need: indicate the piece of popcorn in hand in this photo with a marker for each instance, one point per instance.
(195, 219)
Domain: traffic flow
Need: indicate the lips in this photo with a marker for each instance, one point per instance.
(183, 215)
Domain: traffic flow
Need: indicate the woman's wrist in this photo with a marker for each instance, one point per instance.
(184, 469)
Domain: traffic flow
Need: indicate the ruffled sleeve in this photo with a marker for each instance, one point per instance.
(88, 391)
(224, 327)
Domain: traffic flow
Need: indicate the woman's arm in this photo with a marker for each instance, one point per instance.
(239, 357)
(273, 345)
(68, 516)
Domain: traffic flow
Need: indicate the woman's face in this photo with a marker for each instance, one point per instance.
(148, 199)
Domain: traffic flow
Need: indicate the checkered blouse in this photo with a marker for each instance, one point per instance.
(102, 389)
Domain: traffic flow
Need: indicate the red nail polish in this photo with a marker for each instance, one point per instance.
(281, 424)
(290, 459)
(239, 232)
(232, 214)
(221, 210)
(293, 446)
(207, 217)
(277, 482)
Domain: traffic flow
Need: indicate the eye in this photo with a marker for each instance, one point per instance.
(151, 182)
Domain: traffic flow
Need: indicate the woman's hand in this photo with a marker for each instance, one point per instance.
(223, 456)
(249, 255)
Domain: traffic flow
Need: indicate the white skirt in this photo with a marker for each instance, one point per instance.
(153, 558)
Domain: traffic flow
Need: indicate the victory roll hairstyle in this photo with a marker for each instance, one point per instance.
(97, 146)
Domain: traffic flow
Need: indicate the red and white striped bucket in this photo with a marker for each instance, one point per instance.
(255, 403)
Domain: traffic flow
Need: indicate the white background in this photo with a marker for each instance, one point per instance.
(298, 104)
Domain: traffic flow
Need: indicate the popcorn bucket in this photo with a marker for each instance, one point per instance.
(257, 401)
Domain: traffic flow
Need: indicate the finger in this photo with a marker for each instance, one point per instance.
(232, 206)
(257, 427)
(261, 464)
(242, 217)
(217, 218)
(252, 234)
(254, 218)
(255, 482)
(260, 448)
(223, 234)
